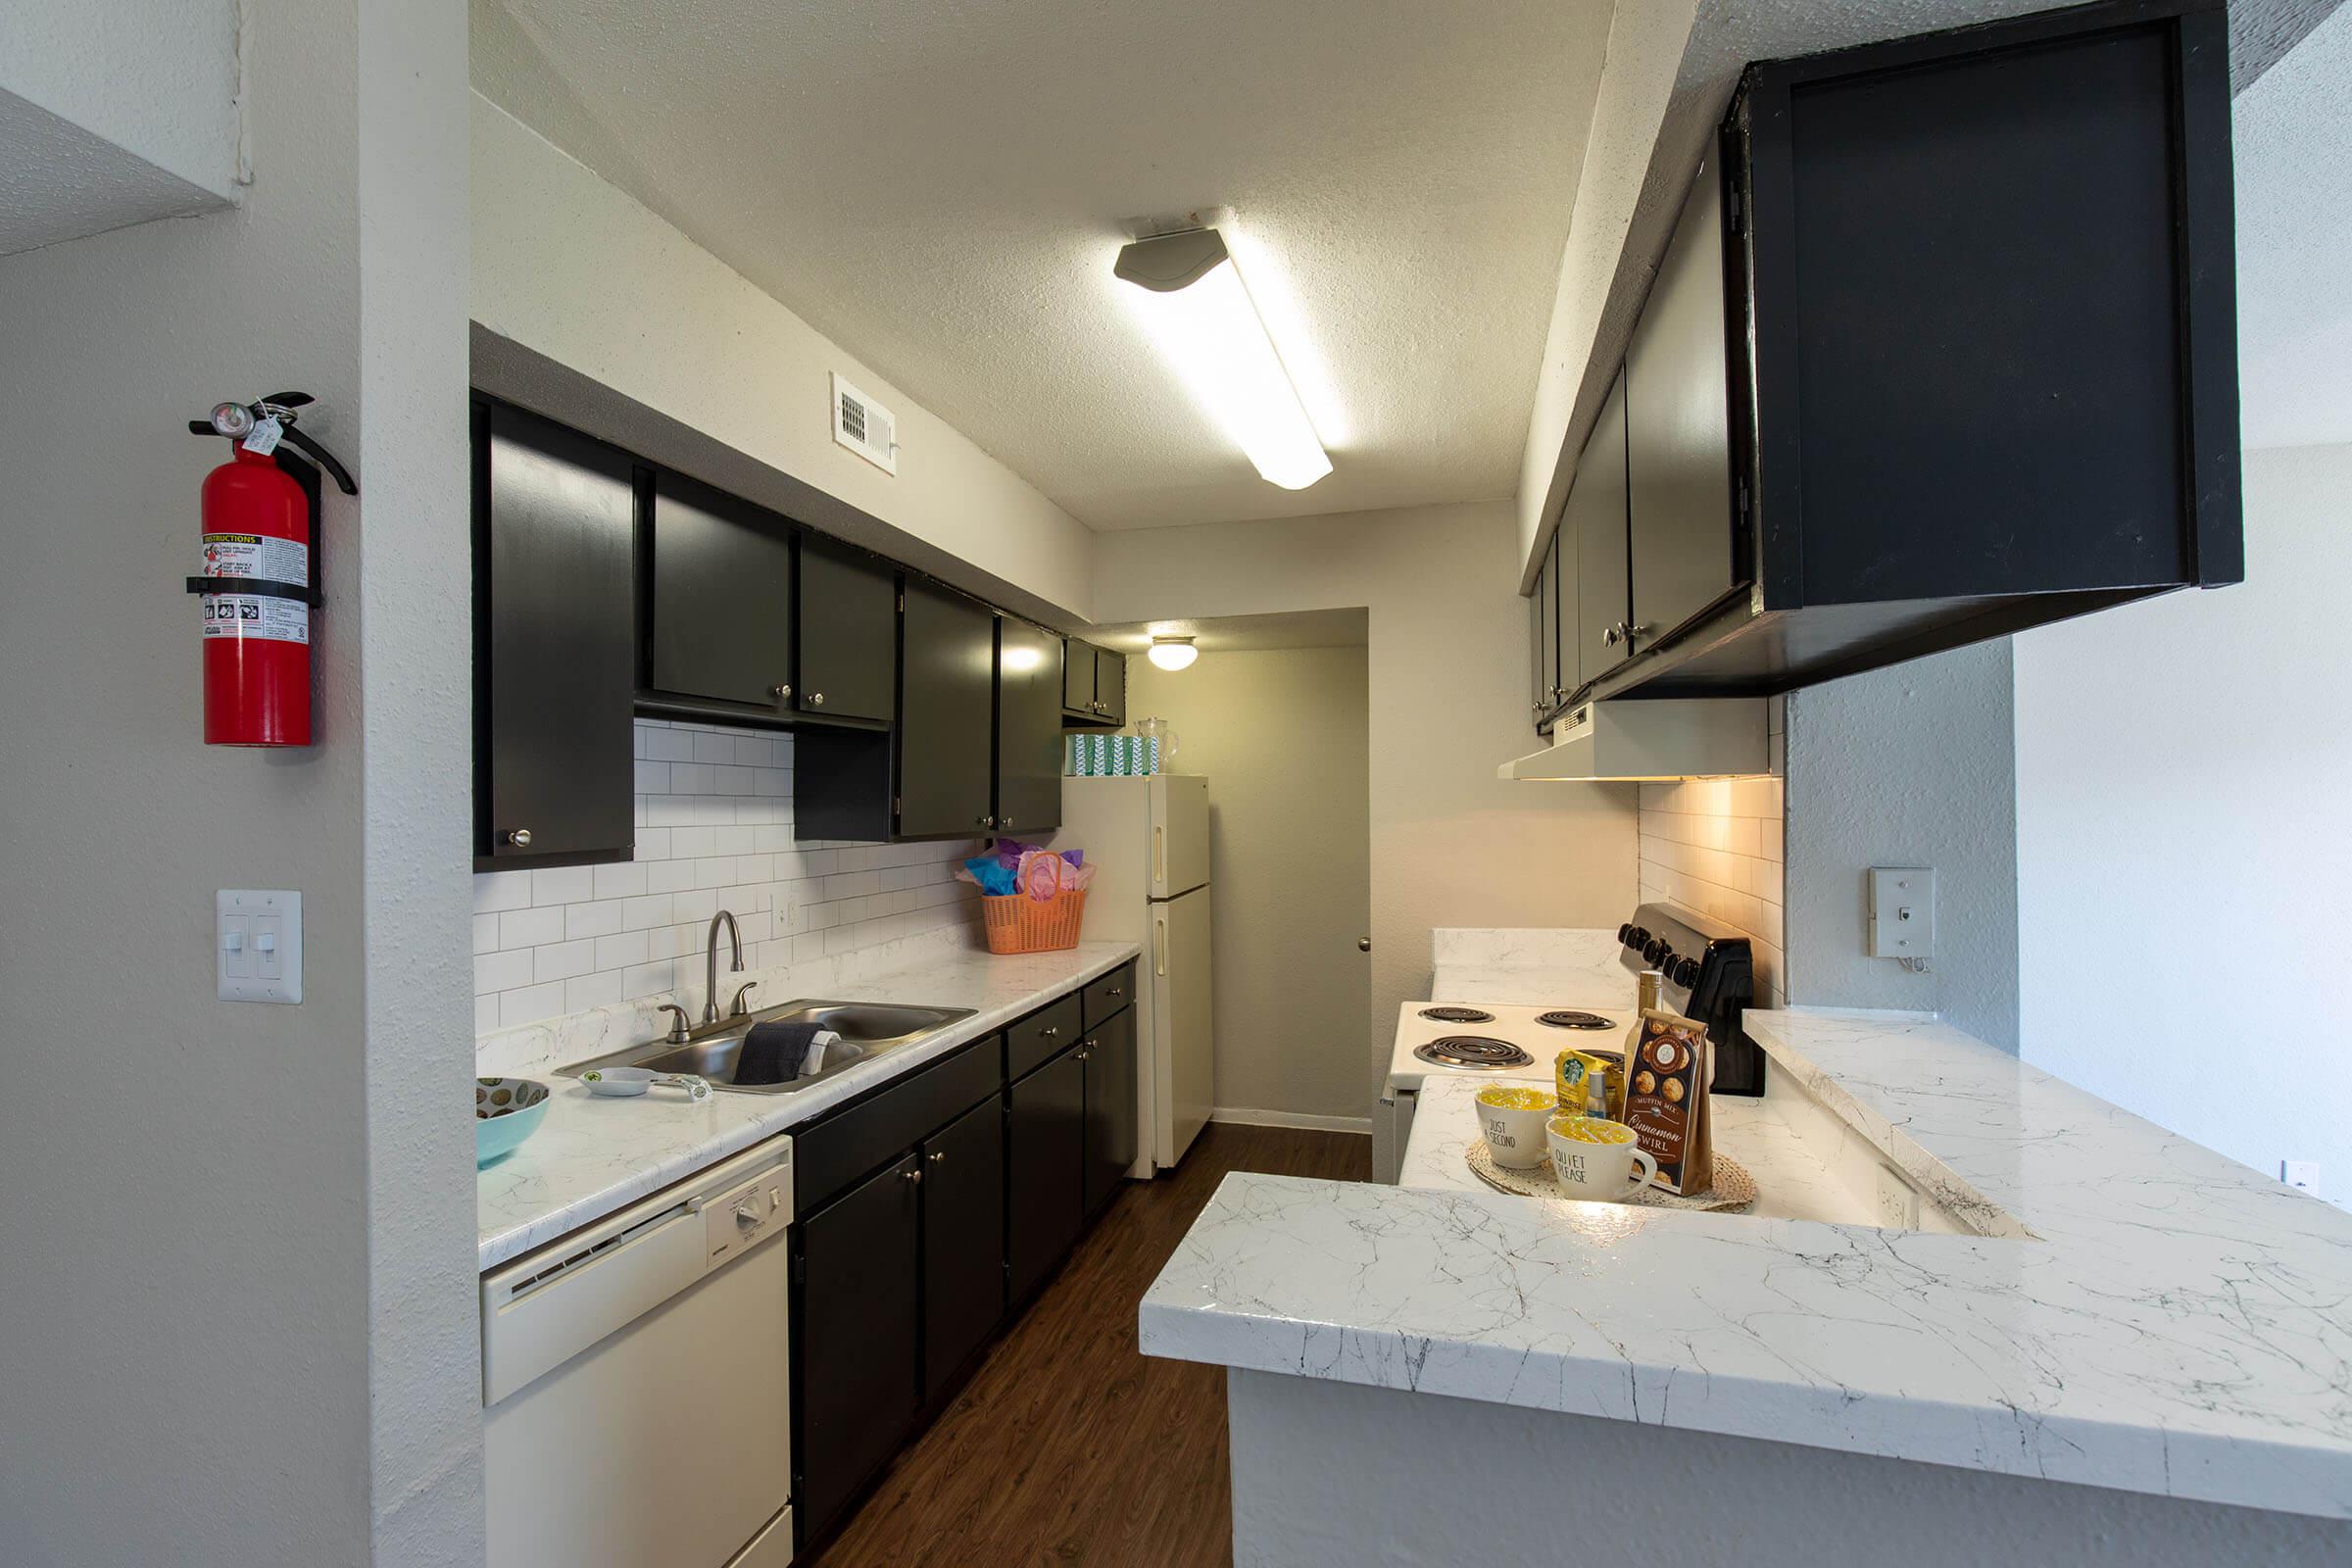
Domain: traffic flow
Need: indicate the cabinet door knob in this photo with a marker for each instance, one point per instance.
(985, 821)
(1610, 636)
(782, 694)
(940, 1158)
(1048, 1034)
(1642, 630)
(1116, 991)
(1363, 944)
(916, 1176)
(816, 699)
(519, 837)
(1004, 821)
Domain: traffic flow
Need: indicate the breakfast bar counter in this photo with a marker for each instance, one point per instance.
(2101, 1303)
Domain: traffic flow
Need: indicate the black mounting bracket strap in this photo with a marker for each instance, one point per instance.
(265, 587)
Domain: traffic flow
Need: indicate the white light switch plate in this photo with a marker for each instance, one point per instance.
(256, 944)
(1902, 911)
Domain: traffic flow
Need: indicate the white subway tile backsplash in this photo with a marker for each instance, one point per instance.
(713, 814)
(1714, 846)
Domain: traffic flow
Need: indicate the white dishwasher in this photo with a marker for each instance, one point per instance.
(636, 1390)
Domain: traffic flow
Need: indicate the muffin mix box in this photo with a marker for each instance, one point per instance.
(1666, 1101)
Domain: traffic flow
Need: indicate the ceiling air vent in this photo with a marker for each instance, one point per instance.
(865, 426)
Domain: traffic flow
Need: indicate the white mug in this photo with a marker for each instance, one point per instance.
(1606, 1165)
(1513, 1118)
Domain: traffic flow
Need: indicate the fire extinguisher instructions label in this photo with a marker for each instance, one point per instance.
(272, 619)
(253, 555)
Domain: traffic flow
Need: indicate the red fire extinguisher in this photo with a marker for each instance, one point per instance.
(261, 573)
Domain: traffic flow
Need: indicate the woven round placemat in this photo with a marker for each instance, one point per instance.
(1733, 1189)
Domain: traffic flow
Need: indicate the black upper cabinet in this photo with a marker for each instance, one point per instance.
(1596, 523)
(849, 625)
(554, 646)
(1677, 419)
(1029, 695)
(1980, 357)
(1094, 685)
(717, 597)
(857, 1338)
(945, 774)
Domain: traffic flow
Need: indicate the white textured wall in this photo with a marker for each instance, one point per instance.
(236, 1322)
(1908, 765)
(1285, 738)
(1451, 845)
(157, 78)
(2182, 847)
(570, 267)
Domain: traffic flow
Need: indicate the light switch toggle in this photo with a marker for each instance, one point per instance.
(258, 950)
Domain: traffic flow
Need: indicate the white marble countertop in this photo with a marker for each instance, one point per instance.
(2142, 1314)
(1792, 1181)
(592, 1155)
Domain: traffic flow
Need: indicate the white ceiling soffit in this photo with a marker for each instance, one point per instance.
(1625, 217)
(942, 188)
(1245, 634)
(2293, 145)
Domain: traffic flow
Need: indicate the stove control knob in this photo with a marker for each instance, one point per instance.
(1635, 938)
(1684, 973)
(1625, 932)
(1655, 951)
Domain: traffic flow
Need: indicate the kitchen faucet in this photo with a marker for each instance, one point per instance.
(710, 964)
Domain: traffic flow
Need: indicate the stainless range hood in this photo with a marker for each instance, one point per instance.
(1631, 740)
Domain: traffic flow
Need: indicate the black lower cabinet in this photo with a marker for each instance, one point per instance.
(1111, 1114)
(963, 1241)
(858, 1339)
(1046, 1190)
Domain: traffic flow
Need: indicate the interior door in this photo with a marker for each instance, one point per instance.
(1045, 1155)
(1183, 1027)
(719, 596)
(556, 642)
(1677, 423)
(964, 1240)
(1596, 506)
(1029, 695)
(856, 1340)
(1111, 1106)
(945, 772)
(1179, 833)
(848, 621)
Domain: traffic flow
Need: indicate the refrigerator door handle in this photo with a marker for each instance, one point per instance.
(1159, 944)
(1160, 862)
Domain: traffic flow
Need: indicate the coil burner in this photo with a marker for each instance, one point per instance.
(1475, 1052)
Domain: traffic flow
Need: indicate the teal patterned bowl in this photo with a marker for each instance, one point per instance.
(505, 1111)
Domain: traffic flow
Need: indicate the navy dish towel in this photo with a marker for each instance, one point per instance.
(772, 1052)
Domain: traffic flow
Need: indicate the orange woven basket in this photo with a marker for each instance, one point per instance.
(1020, 923)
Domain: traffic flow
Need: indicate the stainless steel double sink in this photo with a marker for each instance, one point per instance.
(867, 1030)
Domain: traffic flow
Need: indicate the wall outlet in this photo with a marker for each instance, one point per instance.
(256, 944)
(2302, 1173)
(1902, 911)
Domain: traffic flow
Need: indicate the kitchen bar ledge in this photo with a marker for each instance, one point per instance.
(593, 1155)
(2171, 1323)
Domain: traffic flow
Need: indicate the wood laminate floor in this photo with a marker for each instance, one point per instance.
(1069, 1445)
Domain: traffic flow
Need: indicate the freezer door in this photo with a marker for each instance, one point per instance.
(1184, 1038)
(1179, 848)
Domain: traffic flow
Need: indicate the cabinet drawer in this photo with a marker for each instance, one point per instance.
(1110, 994)
(836, 1151)
(1036, 1039)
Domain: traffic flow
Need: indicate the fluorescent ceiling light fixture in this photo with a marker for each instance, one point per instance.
(1173, 652)
(1194, 303)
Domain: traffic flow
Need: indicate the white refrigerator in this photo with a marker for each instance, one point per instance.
(1148, 839)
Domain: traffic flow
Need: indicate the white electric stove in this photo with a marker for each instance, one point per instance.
(1479, 1040)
